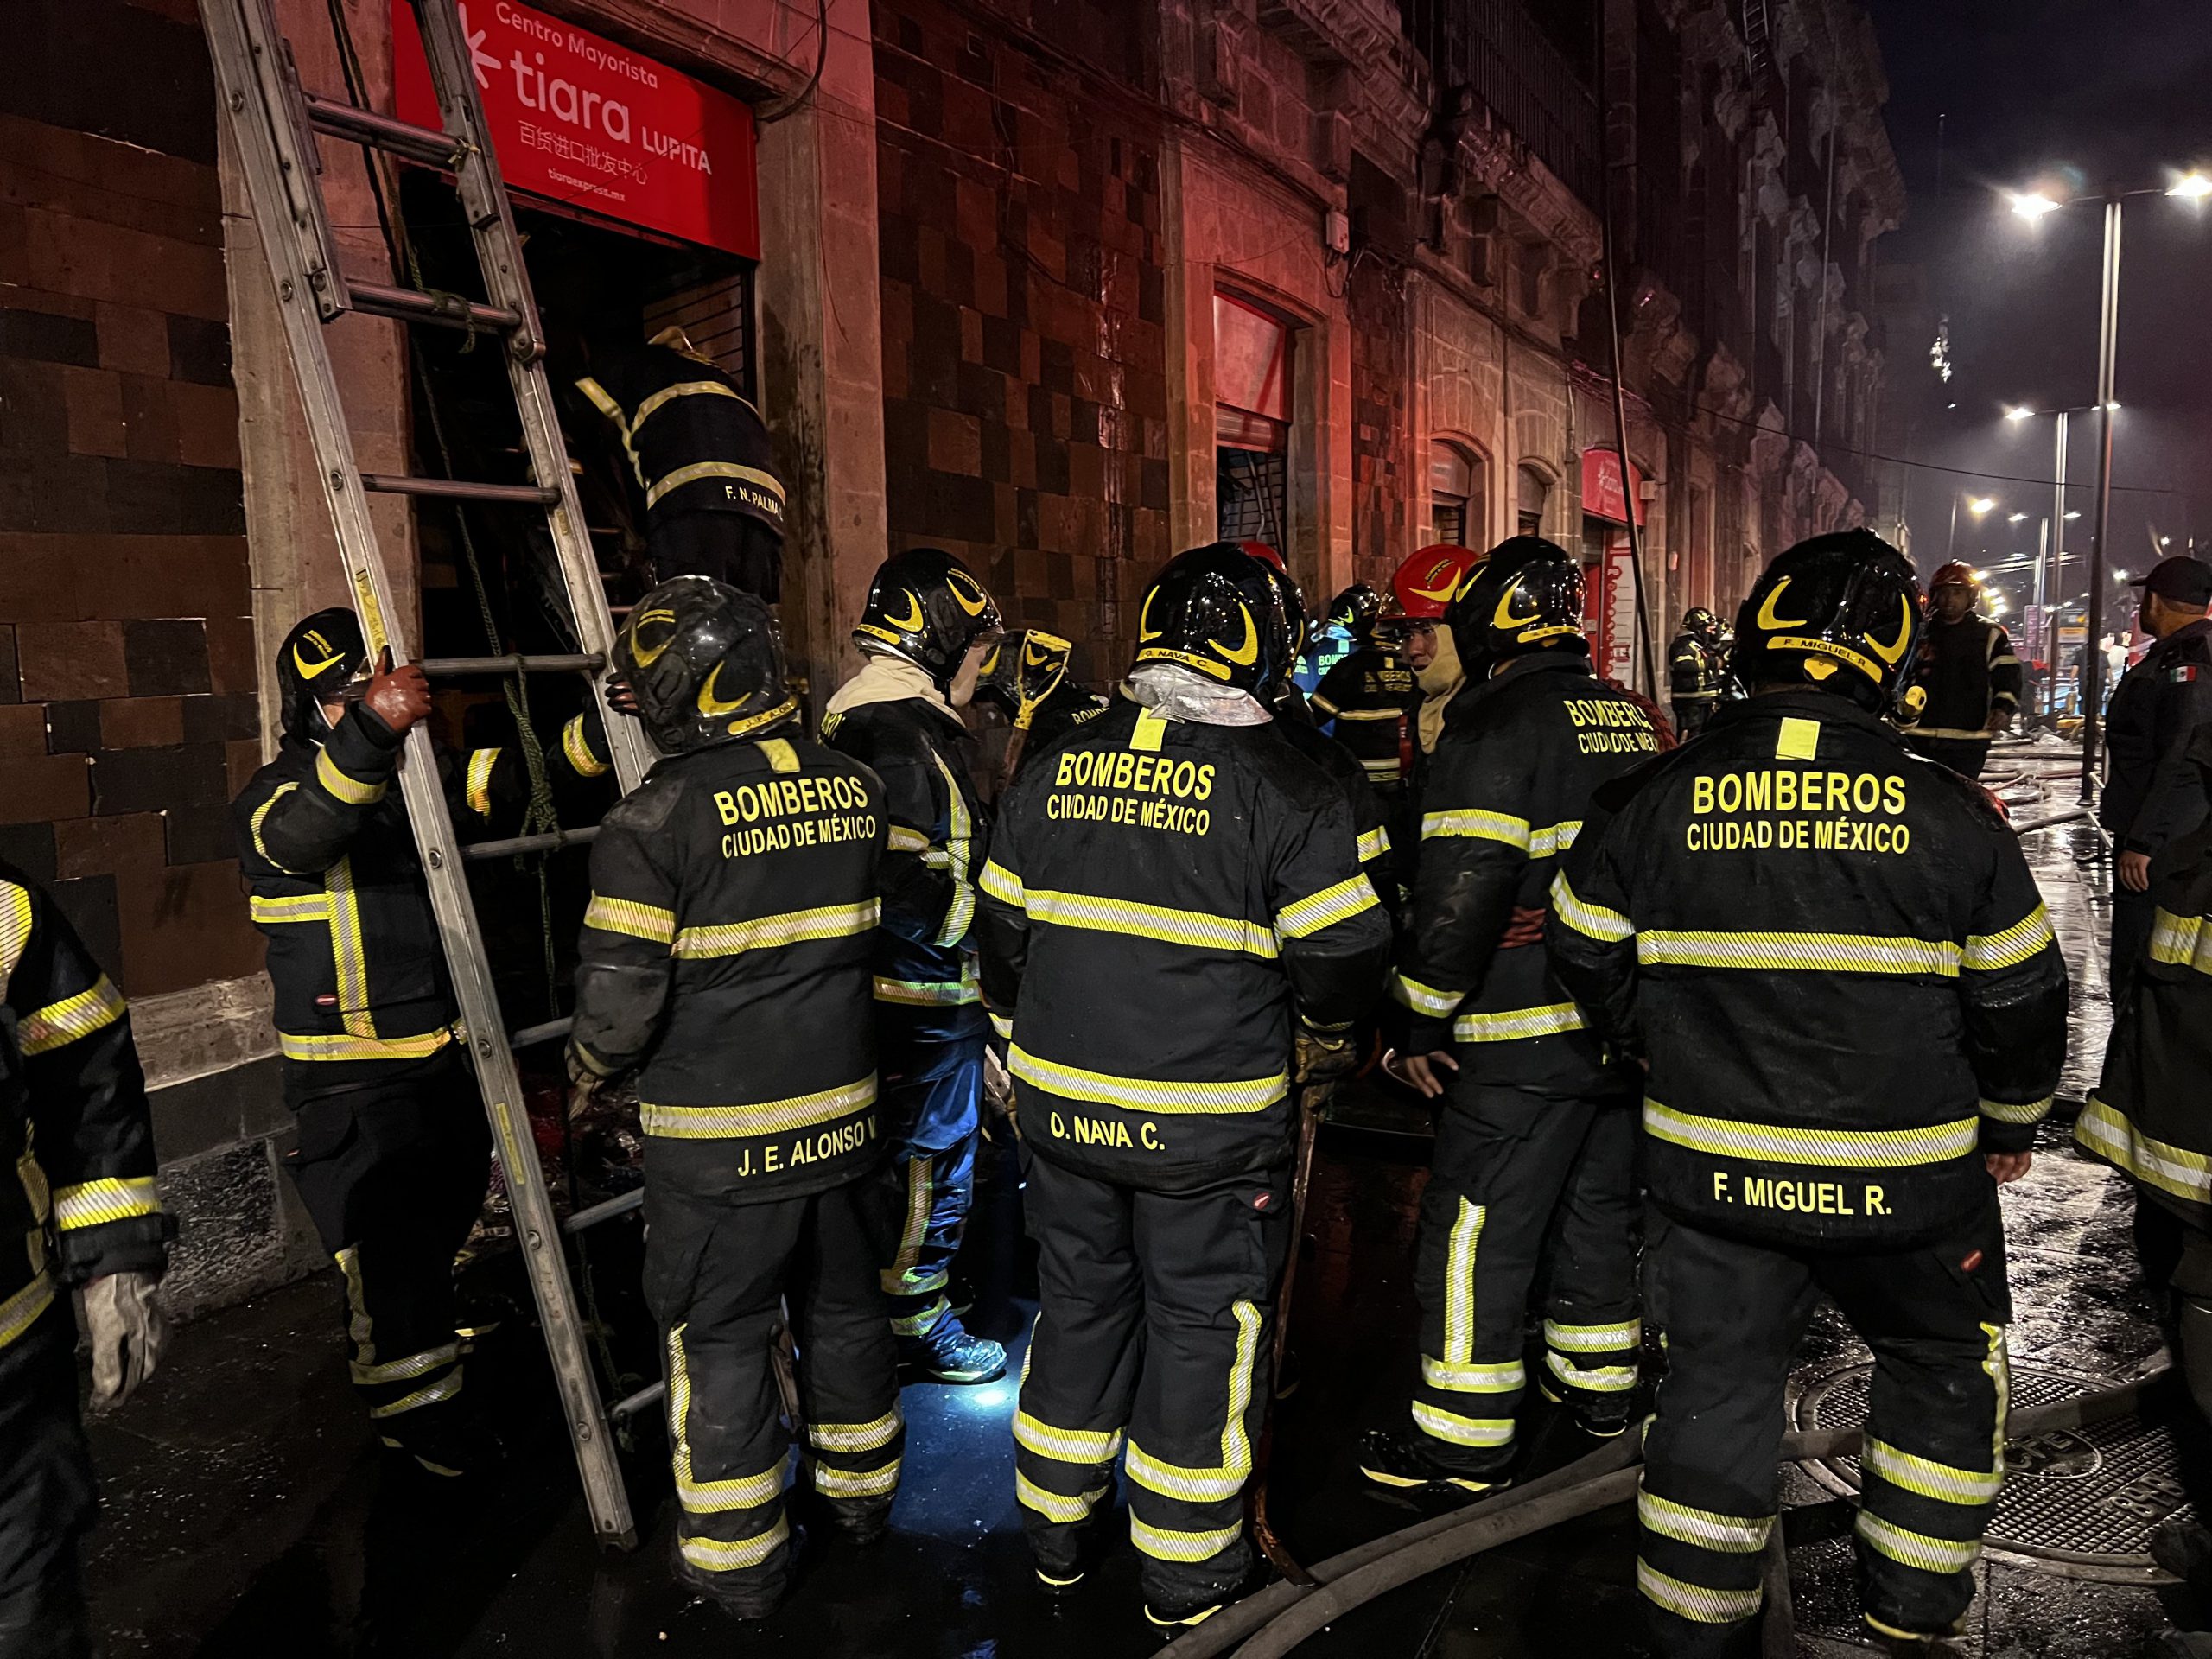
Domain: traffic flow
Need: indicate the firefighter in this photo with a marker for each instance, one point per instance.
(1422, 587)
(726, 959)
(392, 1152)
(1697, 669)
(1967, 673)
(1025, 676)
(699, 450)
(1834, 961)
(925, 631)
(84, 1214)
(1535, 1154)
(1366, 698)
(1166, 905)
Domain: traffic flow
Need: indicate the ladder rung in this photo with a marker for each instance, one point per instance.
(598, 1212)
(360, 126)
(630, 1405)
(545, 843)
(519, 662)
(455, 489)
(529, 1035)
(413, 305)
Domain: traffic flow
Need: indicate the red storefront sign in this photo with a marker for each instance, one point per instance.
(579, 119)
(1602, 496)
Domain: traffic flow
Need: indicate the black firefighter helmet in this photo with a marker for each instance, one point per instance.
(1217, 609)
(1526, 596)
(319, 659)
(1701, 626)
(1355, 610)
(705, 664)
(926, 606)
(1023, 669)
(1840, 610)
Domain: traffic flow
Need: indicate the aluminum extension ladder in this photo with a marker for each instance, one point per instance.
(275, 123)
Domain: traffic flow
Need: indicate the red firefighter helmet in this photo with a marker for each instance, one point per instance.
(1266, 555)
(1958, 572)
(1425, 583)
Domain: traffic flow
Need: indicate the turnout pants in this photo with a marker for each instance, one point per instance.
(1691, 714)
(931, 1105)
(1935, 1455)
(47, 1498)
(731, 547)
(1155, 1330)
(393, 1174)
(718, 1276)
(1516, 1177)
(2175, 1254)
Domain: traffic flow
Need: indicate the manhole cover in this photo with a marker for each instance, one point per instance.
(2086, 1499)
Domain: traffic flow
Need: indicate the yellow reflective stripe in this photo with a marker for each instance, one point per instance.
(1930, 1479)
(2109, 1133)
(699, 469)
(1548, 1021)
(928, 994)
(1695, 1601)
(746, 1492)
(1002, 1025)
(1916, 1548)
(1147, 1094)
(872, 1436)
(15, 925)
(1462, 1430)
(2017, 1111)
(315, 1047)
(1459, 1283)
(1591, 921)
(1303, 917)
(1835, 953)
(1055, 1506)
(1328, 709)
(352, 791)
(758, 1117)
(652, 923)
(576, 744)
(1838, 1148)
(682, 389)
(402, 1371)
(1169, 1544)
(1227, 1479)
(1085, 1445)
(1473, 1379)
(1593, 1338)
(349, 956)
(253, 826)
(429, 1394)
(793, 927)
(19, 1312)
(832, 1482)
(59, 1024)
(957, 915)
(904, 840)
(712, 1555)
(1127, 916)
(1366, 714)
(921, 1323)
(1554, 838)
(1987, 952)
(1387, 768)
(110, 1198)
(895, 1279)
(1601, 1379)
(307, 907)
(1423, 999)
(359, 1329)
(2181, 941)
(1000, 883)
(1473, 822)
(481, 764)
(1373, 843)
(1729, 1534)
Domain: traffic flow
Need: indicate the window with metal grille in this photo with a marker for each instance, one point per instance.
(1536, 491)
(1459, 492)
(1251, 495)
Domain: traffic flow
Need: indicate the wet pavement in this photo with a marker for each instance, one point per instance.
(247, 1512)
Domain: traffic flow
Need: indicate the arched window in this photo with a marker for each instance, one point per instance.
(1535, 494)
(1458, 494)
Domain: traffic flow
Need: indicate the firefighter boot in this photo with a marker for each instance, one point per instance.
(948, 1352)
(1403, 1473)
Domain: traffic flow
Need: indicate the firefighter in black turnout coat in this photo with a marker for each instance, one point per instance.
(1167, 902)
(1536, 1147)
(1697, 673)
(726, 958)
(1025, 676)
(926, 629)
(1835, 961)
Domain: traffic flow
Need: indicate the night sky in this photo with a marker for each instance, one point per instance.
(2065, 95)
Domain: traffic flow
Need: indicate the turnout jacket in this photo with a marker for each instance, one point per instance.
(1836, 962)
(695, 443)
(74, 1124)
(925, 960)
(1159, 899)
(1969, 673)
(2153, 792)
(1507, 794)
(1369, 822)
(726, 955)
(336, 885)
(1695, 673)
(1370, 695)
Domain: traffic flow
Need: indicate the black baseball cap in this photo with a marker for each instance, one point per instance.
(2182, 579)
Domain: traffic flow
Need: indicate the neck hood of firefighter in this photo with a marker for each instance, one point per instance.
(1175, 692)
(887, 679)
(1439, 681)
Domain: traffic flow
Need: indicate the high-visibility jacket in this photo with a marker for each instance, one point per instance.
(1369, 822)
(1968, 672)
(2151, 1114)
(1507, 794)
(1161, 898)
(695, 442)
(726, 954)
(940, 832)
(324, 846)
(1370, 695)
(1836, 962)
(73, 1123)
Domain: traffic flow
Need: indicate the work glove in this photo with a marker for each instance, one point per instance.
(584, 1085)
(1325, 1056)
(130, 1332)
(998, 1087)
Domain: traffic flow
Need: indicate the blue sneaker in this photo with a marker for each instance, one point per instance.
(950, 1354)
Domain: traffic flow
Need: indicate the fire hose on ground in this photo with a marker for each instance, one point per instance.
(1276, 1619)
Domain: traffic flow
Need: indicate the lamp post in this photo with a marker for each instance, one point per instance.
(1976, 505)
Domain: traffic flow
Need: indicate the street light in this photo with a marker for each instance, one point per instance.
(2032, 204)
(1981, 504)
(2016, 518)
(2192, 186)
(1976, 505)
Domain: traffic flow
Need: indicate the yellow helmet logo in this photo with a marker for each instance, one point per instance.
(1508, 617)
(962, 585)
(910, 623)
(646, 657)
(1769, 620)
(990, 663)
(1438, 573)
(310, 670)
(1038, 651)
(1247, 653)
(1144, 630)
(712, 706)
(1891, 653)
